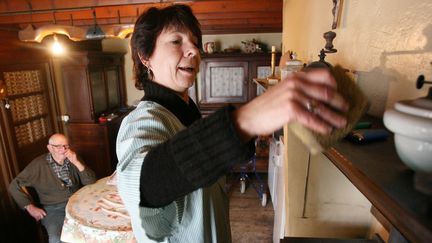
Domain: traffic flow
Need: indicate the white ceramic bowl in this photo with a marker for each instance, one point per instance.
(419, 107)
(411, 122)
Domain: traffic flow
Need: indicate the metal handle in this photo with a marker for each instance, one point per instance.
(421, 81)
(6, 103)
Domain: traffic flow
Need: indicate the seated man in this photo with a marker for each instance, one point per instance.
(55, 176)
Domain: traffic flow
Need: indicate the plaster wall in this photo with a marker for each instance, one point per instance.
(387, 43)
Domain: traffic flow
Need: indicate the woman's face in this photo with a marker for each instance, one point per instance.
(175, 60)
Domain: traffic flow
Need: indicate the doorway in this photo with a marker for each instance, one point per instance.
(27, 110)
(28, 114)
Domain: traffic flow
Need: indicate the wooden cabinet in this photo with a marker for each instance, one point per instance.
(94, 86)
(95, 144)
(227, 78)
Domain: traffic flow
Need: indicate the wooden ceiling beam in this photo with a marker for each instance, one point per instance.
(204, 7)
(268, 14)
(212, 14)
(130, 20)
(240, 28)
(16, 6)
(236, 6)
(13, 6)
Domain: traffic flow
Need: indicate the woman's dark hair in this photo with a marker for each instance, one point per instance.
(148, 27)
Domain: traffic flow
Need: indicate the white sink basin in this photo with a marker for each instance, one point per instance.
(411, 122)
(419, 107)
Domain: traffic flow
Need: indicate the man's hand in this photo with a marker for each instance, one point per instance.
(72, 157)
(36, 212)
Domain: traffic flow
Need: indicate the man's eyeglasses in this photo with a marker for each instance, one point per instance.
(59, 146)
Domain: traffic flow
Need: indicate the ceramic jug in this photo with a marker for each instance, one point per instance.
(209, 47)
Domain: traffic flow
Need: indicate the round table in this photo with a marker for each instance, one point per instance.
(96, 214)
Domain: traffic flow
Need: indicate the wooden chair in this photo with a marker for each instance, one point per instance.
(42, 235)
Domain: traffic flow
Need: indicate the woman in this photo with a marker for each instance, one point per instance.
(170, 160)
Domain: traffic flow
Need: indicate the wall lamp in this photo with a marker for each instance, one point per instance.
(57, 48)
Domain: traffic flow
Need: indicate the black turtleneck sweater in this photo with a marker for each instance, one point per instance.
(195, 157)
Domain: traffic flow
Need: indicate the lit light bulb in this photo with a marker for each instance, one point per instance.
(57, 48)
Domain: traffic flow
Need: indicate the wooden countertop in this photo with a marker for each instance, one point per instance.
(376, 170)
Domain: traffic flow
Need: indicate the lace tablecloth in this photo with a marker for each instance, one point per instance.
(95, 214)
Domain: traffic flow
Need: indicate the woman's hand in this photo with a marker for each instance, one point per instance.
(36, 212)
(309, 98)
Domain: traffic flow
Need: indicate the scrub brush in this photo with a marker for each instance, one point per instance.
(358, 105)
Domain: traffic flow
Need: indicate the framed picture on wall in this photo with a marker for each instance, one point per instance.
(336, 11)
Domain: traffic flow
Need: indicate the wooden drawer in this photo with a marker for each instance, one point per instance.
(86, 133)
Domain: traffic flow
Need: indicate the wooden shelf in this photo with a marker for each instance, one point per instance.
(376, 170)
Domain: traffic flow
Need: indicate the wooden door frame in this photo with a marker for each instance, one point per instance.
(9, 168)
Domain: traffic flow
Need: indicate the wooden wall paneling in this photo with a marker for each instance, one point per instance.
(23, 55)
(9, 43)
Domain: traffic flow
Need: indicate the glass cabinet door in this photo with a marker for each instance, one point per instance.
(225, 82)
(98, 91)
(112, 78)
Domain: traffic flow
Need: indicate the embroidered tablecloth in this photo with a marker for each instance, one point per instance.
(95, 213)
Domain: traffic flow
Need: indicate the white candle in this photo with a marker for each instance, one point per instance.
(273, 48)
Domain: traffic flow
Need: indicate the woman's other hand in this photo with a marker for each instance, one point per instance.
(309, 98)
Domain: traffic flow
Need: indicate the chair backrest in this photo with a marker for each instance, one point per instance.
(42, 235)
(31, 192)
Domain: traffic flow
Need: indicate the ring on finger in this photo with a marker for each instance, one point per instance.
(312, 106)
